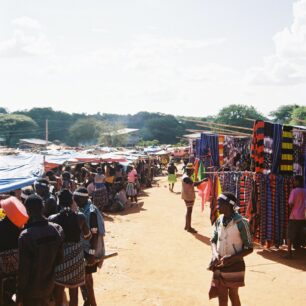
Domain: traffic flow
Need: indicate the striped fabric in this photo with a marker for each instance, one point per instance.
(257, 146)
(286, 164)
(221, 149)
(276, 148)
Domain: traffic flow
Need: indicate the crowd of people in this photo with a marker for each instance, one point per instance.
(52, 233)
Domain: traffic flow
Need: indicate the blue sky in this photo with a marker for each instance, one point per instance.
(185, 57)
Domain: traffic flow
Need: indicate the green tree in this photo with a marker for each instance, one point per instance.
(13, 127)
(299, 116)
(85, 132)
(58, 122)
(236, 114)
(164, 128)
(283, 113)
(3, 110)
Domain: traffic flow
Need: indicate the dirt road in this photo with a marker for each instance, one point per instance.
(160, 264)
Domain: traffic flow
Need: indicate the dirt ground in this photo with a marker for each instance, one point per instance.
(160, 264)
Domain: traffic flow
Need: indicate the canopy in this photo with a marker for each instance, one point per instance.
(17, 171)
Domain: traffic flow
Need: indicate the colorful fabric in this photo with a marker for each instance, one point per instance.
(276, 147)
(237, 153)
(298, 156)
(286, 163)
(204, 191)
(201, 171)
(268, 147)
(257, 147)
(221, 149)
(71, 273)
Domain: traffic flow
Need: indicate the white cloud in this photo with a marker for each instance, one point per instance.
(27, 22)
(21, 45)
(26, 43)
(287, 66)
(99, 30)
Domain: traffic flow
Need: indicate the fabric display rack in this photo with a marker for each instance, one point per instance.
(258, 170)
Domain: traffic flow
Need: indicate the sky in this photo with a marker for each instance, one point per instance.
(180, 57)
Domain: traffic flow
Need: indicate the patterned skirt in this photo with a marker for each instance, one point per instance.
(230, 277)
(100, 198)
(71, 273)
(131, 190)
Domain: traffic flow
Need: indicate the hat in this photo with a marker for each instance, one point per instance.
(190, 166)
(15, 211)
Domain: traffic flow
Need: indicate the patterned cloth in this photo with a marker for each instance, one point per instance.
(286, 164)
(268, 147)
(71, 273)
(276, 147)
(257, 148)
(131, 190)
(221, 149)
(100, 197)
(298, 156)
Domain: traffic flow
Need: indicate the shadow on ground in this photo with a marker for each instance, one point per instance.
(202, 238)
(298, 260)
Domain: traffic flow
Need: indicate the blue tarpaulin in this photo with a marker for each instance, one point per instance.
(17, 171)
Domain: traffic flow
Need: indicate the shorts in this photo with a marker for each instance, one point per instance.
(295, 229)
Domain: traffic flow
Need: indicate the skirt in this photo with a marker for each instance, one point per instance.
(230, 277)
(100, 198)
(172, 178)
(71, 273)
(131, 190)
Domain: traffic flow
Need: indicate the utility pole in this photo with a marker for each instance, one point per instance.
(46, 132)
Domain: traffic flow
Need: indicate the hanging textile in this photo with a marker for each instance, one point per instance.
(298, 156)
(286, 164)
(276, 147)
(268, 147)
(204, 191)
(257, 148)
(210, 147)
(216, 191)
(221, 149)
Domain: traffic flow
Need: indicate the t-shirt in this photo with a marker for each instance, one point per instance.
(297, 199)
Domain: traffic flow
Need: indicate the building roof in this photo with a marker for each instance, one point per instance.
(122, 132)
(34, 141)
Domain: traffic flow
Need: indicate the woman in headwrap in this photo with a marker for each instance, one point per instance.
(231, 241)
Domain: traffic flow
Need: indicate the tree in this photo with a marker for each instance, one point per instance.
(283, 113)
(236, 114)
(164, 128)
(85, 132)
(299, 116)
(3, 110)
(58, 122)
(13, 127)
